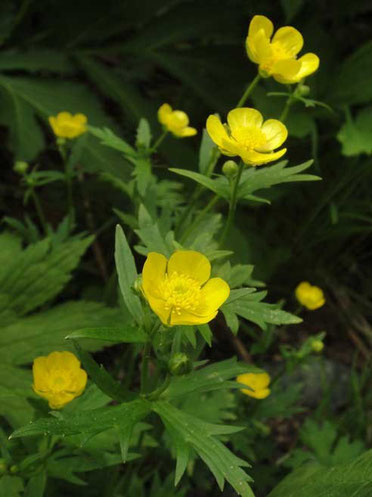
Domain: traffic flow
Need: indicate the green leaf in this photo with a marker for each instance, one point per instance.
(150, 234)
(102, 378)
(351, 479)
(219, 186)
(11, 486)
(127, 273)
(110, 139)
(36, 60)
(125, 334)
(206, 153)
(36, 485)
(209, 378)
(189, 432)
(143, 136)
(356, 135)
(254, 179)
(353, 82)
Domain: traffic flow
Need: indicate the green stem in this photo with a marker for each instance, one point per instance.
(158, 141)
(39, 210)
(70, 204)
(144, 367)
(233, 203)
(248, 91)
(200, 216)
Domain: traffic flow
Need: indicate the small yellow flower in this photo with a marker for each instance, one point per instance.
(175, 121)
(258, 382)
(58, 378)
(180, 291)
(277, 57)
(312, 297)
(248, 136)
(65, 125)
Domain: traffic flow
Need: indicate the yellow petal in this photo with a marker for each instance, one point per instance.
(190, 263)
(179, 119)
(79, 382)
(254, 158)
(62, 361)
(153, 273)
(64, 116)
(258, 23)
(216, 130)
(309, 64)
(213, 294)
(185, 132)
(187, 319)
(289, 39)
(80, 118)
(286, 71)
(276, 134)
(260, 394)
(59, 400)
(164, 112)
(259, 48)
(158, 306)
(244, 117)
(40, 374)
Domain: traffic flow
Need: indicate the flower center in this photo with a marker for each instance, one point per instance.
(58, 384)
(180, 292)
(250, 137)
(277, 53)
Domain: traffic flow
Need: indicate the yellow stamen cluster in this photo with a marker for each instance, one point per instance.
(180, 292)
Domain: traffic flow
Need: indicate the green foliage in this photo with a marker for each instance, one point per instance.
(355, 135)
(352, 478)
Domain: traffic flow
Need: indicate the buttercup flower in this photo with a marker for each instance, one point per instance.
(179, 290)
(248, 136)
(258, 382)
(312, 297)
(58, 378)
(277, 57)
(175, 121)
(65, 125)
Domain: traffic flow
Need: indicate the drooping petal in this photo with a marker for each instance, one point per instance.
(286, 71)
(153, 273)
(190, 263)
(289, 39)
(260, 22)
(244, 117)
(187, 318)
(164, 112)
(254, 158)
(216, 130)
(275, 132)
(213, 294)
(159, 307)
(309, 64)
(185, 132)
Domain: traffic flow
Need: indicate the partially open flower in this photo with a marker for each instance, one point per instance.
(312, 297)
(258, 384)
(58, 378)
(277, 57)
(175, 121)
(247, 135)
(180, 291)
(65, 125)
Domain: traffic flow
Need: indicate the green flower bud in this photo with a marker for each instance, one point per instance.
(14, 469)
(179, 364)
(230, 169)
(61, 141)
(317, 346)
(303, 90)
(20, 167)
(137, 286)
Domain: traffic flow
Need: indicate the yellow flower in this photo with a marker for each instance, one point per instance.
(277, 57)
(179, 290)
(65, 125)
(258, 382)
(58, 378)
(248, 136)
(312, 297)
(175, 121)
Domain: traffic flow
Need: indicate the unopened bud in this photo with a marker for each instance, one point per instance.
(3, 466)
(230, 169)
(20, 167)
(303, 90)
(14, 469)
(137, 286)
(317, 346)
(179, 364)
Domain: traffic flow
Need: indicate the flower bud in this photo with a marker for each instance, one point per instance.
(14, 469)
(137, 286)
(20, 167)
(317, 346)
(61, 141)
(230, 169)
(303, 90)
(179, 364)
